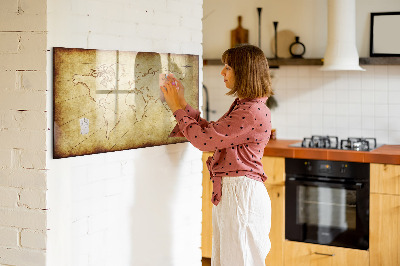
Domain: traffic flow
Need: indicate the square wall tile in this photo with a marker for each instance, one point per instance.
(380, 71)
(303, 82)
(292, 82)
(368, 110)
(329, 109)
(381, 97)
(382, 136)
(367, 96)
(382, 123)
(342, 109)
(381, 84)
(329, 122)
(355, 122)
(291, 71)
(304, 72)
(317, 108)
(354, 80)
(342, 122)
(315, 71)
(355, 96)
(394, 97)
(394, 137)
(394, 110)
(394, 83)
(394, 123)
(368, 122)
(342, 96)
(382, 110)
(355, 109)
(355, 132)
(394, 70)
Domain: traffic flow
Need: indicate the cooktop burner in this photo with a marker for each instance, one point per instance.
(332, 142)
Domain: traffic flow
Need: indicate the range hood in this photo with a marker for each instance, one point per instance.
(341, 51)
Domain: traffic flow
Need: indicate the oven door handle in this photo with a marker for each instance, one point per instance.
(352, 185)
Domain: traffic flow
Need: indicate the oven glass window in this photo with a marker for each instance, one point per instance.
(326, 207)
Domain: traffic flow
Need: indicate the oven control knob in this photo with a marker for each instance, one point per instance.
(343, 168)
(308, 166)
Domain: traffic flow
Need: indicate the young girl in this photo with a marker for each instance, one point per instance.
(242, 209)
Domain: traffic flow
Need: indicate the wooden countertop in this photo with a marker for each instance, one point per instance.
(389, 154)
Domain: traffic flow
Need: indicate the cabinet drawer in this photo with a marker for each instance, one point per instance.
(304, 254)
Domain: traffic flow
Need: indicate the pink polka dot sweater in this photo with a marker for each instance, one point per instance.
(238, 139)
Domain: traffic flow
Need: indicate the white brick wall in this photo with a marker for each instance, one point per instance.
(100, 206)
(23, 132)
(134, 207)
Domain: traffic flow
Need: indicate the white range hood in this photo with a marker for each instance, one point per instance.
(341, 51)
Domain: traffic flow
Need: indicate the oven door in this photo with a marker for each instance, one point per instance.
(327, 213)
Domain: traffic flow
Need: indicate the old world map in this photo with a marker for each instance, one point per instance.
(110, 100)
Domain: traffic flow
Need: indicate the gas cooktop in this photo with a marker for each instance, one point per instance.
(332, 142)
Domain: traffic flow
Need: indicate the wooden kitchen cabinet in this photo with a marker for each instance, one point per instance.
(384, 237)
(305, 254)
(385, 178)
(277, 233)
(274, 168)
(206, 225)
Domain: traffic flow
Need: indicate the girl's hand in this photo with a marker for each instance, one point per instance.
(172, 95)
(181, 93)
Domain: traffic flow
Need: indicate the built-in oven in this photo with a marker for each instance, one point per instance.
(327, 202)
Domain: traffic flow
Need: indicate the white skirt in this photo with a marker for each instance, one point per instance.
(241, 223)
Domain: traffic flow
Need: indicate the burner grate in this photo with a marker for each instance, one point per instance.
(327, 142)
(358, 144)
(332, 142)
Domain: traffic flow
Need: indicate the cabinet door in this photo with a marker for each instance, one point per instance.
(274, 168)
(385, 178)
(277, 233)
(304, 254)
(384, 230)
(206, 232)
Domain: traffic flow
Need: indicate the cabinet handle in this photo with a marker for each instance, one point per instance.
(324, 254)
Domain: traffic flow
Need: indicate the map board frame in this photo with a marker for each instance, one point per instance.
(110, 100)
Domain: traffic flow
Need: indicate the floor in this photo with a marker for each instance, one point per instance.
(206, 261)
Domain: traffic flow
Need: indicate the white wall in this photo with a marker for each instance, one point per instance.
(23, 133)
(134, 207)
(311, 102)
(305, 18)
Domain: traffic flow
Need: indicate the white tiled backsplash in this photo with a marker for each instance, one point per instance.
(314, 102)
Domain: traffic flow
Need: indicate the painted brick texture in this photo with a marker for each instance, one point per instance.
(23, 218)
(97, 200)
(134, 207)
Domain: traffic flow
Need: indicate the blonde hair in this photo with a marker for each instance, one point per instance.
(250, 66)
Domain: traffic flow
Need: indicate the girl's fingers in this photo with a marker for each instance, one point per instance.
(164, 89)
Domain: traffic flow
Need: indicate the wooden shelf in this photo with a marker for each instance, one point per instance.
(273, 62)
(380, 61)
